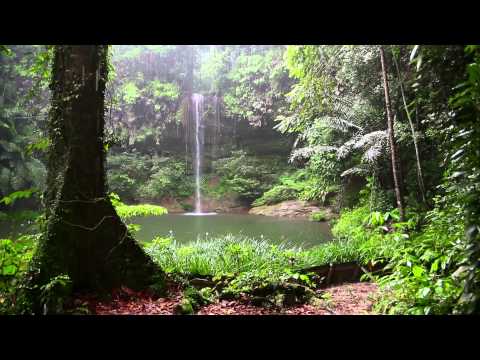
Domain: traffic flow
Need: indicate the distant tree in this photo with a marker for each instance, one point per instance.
(421, 185)
(397, 176)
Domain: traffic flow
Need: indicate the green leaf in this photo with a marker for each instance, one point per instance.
(22, 194)
(417, 271)
(304, 278)
(40, 145)
(9, 270)
(424, 292)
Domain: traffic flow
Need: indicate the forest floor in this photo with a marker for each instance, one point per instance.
(345, 299)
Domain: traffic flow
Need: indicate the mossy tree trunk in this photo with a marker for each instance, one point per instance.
(84, 238)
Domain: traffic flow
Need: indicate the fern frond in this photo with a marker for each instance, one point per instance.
(355, 170)
(308, 151)
(340, 124)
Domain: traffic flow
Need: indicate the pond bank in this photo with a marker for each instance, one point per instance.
(289, 209)
(292, 209)
(226, 205)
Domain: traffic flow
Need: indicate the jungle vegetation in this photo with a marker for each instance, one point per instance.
(386, 135)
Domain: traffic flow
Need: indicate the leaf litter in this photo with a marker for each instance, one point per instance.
(344, 299)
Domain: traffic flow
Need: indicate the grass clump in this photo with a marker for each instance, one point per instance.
(230, 254)
(318, 216)
(236, 263)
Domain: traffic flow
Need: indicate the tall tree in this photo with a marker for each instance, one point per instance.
(397, 178)
(420, 182)
(84, 238)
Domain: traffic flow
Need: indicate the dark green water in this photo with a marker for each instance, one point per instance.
(188, 228)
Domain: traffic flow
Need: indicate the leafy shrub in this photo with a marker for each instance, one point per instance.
(135, 176)
(275, 195)
(168, 179)
(248, 176)
(350, 224)
(318, 216)
(376, 198)
(129, 211)
(301, 184)
(123, 185)
(243, 261)
(14, 258)
(55, 293)
(426, 271)
(126, 171)
(425, 267)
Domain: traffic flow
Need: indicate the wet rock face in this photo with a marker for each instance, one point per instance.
(225, 205)
(291, 209)
(172, 205)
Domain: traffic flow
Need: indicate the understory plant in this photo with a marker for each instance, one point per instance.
(246, 175)
(128, 211)
(302, 184)
(242, 263)
(318, 216)
(426, 272)
(14, 259)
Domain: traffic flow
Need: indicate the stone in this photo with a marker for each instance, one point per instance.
(291, 208)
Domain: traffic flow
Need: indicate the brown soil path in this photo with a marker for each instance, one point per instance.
(345, 299)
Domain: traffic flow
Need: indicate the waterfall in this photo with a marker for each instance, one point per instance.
(197, 100)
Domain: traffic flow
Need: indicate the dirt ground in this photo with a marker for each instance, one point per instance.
(345, 299)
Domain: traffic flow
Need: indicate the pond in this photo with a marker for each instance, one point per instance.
(298, 232)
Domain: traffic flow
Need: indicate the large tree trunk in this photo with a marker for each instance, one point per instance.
(393, 148)
(84, 239)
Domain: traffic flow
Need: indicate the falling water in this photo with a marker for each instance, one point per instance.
(197, 100)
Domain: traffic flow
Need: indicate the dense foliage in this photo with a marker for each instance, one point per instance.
(23, 72)
(333, 147)
(337, 108)
(248, 176)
